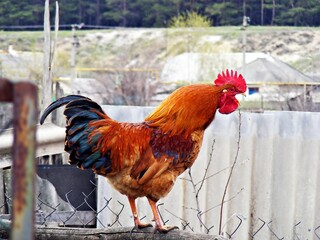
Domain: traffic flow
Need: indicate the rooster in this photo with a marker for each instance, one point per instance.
(144, 159)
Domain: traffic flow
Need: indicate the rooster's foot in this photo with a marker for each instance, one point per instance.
(165, 229)
(143, 225)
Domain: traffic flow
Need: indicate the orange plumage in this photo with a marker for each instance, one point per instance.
(144, 159)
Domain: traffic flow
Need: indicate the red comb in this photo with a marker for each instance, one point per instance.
(233, 78)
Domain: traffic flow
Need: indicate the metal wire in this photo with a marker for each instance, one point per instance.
(45, 212)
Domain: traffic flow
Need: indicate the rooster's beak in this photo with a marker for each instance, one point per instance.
(244, 94)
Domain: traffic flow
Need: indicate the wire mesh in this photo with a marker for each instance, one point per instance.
(47, 215)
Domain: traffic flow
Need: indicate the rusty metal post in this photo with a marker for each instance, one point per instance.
(6, 95)
(6, 90)
(23, 171)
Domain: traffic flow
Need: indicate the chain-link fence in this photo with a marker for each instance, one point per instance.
(49, 215)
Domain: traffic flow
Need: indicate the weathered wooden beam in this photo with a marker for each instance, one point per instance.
(113, 234)
(1, 192)
(46, 84)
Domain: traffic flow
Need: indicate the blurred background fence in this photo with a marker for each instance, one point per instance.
(137, 66)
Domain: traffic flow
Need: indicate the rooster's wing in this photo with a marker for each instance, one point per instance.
(167, 153)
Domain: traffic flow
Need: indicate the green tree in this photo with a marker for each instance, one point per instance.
(157, 13)
(19, 12)
(160, 13)
(225, 13)
(299, 13)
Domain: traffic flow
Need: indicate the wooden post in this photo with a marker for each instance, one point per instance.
(48, 56)
(47, 73)
(2, 200)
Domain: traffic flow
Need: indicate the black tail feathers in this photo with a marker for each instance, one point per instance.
(79, 112)
(58, 103)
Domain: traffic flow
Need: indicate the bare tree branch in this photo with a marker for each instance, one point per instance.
(228, 200)
(206, 170)
(197, 190)
(220, 171)
(230, 175)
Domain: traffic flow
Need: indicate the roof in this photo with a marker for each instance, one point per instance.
(194, 67)
(273, 71)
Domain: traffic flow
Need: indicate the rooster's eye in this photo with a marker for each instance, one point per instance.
(224, 90)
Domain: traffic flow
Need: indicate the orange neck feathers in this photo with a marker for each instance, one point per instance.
(187, 109)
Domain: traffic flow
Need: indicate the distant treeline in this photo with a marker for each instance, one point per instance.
(157, 13)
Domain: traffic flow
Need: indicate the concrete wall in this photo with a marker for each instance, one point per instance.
(276, 179)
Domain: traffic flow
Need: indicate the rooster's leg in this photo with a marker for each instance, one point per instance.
(157, 219)
(136, 219)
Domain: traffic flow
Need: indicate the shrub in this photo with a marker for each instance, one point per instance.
(189, 19)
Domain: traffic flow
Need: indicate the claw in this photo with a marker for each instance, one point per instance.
(143, 225)
(165, 229)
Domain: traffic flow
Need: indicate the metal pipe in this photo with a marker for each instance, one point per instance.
(25, 119)
(6, 90)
